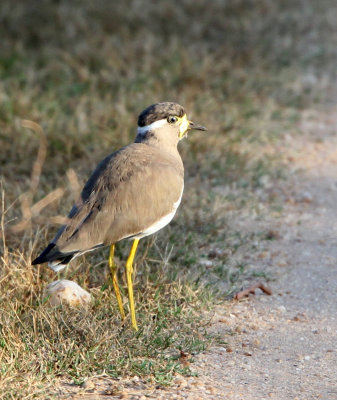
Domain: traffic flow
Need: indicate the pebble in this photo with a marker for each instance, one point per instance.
(206, 263)
(69, 292)
(222, 349)
(305, 197)
(281, 309)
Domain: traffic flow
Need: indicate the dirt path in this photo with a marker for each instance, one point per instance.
(281, 346)
(286, 344)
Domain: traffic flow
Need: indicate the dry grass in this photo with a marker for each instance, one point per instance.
(79, 73)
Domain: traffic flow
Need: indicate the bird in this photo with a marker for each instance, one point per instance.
(133, 193)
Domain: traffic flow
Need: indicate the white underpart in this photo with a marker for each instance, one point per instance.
(57, 266)
(160, 223)
(155, 125)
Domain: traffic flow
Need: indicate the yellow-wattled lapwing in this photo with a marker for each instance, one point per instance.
(132, 193)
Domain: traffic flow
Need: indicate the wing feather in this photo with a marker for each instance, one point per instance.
(129, 191)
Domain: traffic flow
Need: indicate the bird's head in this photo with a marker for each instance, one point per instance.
(164, 121)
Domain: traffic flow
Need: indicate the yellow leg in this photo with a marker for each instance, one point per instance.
(113, 269)
(129, 270)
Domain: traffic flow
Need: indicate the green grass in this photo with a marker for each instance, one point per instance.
(77, 343)
(83, 71)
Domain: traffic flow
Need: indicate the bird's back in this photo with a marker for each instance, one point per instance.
(129, 191)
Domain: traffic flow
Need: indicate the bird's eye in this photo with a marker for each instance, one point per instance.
(172, 120)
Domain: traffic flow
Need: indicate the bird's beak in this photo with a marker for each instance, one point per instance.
(195, 127)
(186, 125)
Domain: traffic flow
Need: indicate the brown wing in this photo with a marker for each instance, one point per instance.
(128, 192)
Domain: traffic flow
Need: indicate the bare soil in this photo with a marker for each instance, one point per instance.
(281, 346)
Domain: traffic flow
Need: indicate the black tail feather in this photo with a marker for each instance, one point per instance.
(65, 259)
(51, 253)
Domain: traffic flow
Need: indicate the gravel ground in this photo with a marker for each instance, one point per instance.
(281, 346)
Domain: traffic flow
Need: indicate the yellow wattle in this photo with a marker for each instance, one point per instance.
(184, 124)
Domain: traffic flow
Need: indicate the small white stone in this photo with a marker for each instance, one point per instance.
(222, 350)
(66, 292)
(306, 197)
(206, 263)
(281, 309)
